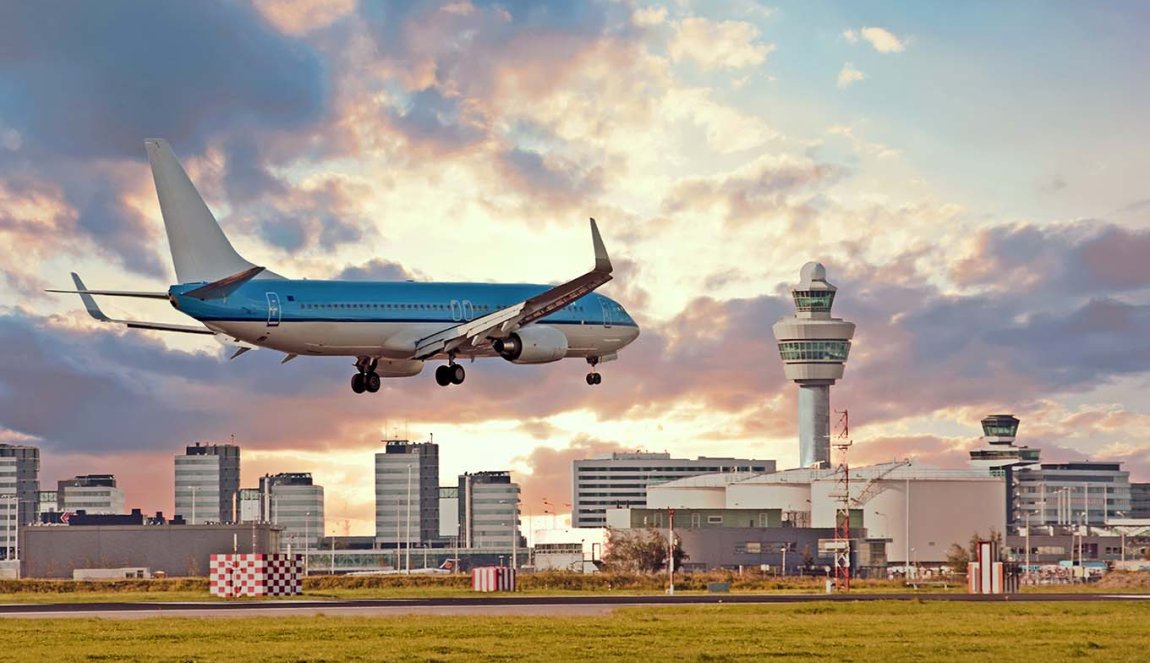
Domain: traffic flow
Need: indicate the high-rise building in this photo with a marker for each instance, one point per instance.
(207, 483)
(1139, 500)
(295, 503)
(19, 488)
(407, 493)
(814, 346)
(488, 510)
(620, 479)
(1002, 458)
(1076, 493)
(90, 493)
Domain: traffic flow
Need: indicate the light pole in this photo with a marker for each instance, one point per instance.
(306, 541)
(671, 551)
(783, 548)
(906, 548)
(332, 570)
(407, 555)
(193, 505)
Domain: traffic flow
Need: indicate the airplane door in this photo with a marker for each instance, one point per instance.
(606, 312)
(273, 309)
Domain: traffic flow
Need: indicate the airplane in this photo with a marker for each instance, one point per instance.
(391, 328)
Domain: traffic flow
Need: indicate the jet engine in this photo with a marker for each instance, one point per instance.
(537, 344)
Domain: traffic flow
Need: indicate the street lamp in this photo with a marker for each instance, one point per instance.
(783, 548)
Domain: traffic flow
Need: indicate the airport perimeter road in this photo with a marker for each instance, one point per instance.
(486, 605)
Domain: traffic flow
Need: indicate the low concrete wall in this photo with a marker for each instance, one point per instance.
(176, 550)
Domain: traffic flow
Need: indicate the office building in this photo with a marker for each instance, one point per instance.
(407, 493)
(1082, 492)
(488, 510)
(207, 483)
(294, 502)
(90, 493)
(620, 479)
(1139, 500)
(814, 347)
(19, 488)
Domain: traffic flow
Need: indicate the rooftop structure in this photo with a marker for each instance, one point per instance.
(814, 347)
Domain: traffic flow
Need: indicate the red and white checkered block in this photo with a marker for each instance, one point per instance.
(256, 574)
(493, 579)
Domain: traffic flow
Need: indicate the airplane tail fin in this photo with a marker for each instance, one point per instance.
(200, 251)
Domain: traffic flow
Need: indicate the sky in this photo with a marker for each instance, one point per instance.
(972, 175)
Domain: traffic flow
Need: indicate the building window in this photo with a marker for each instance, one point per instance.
(714, 520)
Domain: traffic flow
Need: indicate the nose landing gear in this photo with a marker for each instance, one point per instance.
(593, 378)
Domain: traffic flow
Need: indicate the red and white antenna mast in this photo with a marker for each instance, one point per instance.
(842, 550)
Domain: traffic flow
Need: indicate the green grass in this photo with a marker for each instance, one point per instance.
(885, 631)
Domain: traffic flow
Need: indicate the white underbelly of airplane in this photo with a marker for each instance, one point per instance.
(395, 340)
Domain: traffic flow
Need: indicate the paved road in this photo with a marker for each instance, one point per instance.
(486, 605)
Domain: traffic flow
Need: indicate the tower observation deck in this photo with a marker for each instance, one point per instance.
(814, 347)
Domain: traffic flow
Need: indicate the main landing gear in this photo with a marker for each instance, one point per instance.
(366, 379)
(451, 373)
(593, 378)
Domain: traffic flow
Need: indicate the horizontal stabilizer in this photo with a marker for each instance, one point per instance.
(225, 286)
(95, 312)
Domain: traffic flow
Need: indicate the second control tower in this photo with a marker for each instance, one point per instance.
(814, 347)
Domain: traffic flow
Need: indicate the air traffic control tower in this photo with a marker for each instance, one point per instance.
(814, 347)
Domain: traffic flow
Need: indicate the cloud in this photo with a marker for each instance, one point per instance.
(549, 179)
(549, 475)
(718, 44)
(174, 70)
(377, 269)
(1057, 259)
(761, 189)
(883, 40)
(848, 75)
(648, 16)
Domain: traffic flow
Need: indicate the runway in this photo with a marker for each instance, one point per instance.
(487, 605)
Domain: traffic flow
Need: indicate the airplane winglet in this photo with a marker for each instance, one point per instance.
(89, 302)
(602, 260)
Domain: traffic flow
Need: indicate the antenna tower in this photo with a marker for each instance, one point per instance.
(842, 552)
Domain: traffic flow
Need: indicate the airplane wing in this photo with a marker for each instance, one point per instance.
(95, 312)
(501, 323)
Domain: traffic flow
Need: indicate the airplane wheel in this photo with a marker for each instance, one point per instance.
(443, 376)
(358, 383)
(371, 382)
(598, 378)
(594, 379)
(457, 374)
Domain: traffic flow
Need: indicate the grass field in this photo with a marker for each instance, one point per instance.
(884, 631)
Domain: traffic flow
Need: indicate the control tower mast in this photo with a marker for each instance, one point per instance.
(814, 347)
